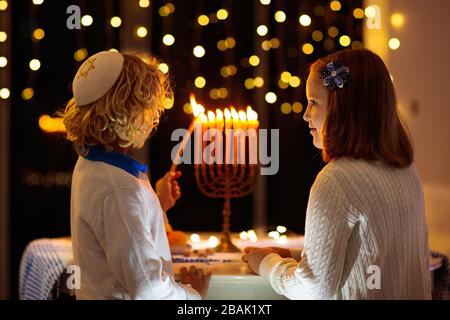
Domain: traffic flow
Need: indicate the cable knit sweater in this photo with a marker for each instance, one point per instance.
(365, 237)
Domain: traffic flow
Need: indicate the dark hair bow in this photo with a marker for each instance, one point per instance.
(334, 75)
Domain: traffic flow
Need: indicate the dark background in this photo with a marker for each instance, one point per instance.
(42, 163)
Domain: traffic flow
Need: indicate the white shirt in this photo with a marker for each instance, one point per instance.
(365, 237)
(119, 238)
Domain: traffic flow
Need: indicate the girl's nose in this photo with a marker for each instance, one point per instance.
(306, 115)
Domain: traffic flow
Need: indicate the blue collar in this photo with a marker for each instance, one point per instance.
(117, 159)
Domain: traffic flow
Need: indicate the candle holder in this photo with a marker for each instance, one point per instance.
(226, 184)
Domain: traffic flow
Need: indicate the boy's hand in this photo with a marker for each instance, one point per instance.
(197, 278)
(168, 190)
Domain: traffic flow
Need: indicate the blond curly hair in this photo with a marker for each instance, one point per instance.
(127, 114)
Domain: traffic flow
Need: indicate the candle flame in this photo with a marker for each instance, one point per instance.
(197, 108)
(234, 114)
(227, 114)
(211, 116)
(242, 115)
(251, 114)
(219, 114)
(203, 118)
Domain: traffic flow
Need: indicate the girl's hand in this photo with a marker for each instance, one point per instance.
(168, 190)
(254, 257)
(282, 252)
(197, 278)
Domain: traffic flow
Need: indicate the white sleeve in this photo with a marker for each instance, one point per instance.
(131, 253)
(329, 223)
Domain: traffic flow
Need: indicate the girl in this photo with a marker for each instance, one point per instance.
(365, 232)
(117, 220)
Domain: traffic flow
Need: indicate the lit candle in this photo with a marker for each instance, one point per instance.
(243, 127)
(252, 123)
(219, 144)
(197, 109)
(235, 117)
(228, 137)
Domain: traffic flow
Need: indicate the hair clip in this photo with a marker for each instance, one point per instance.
(334, 75)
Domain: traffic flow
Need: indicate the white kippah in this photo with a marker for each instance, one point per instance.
(96, 76)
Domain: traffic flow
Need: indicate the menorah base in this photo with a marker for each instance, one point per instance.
(226, 245)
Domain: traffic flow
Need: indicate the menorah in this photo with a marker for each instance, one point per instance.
(235, 177)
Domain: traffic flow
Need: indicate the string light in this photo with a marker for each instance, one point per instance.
(35, 64)
(38, 2)
(266, 45)
(230, 42)
(168, 39)
(285, 76)
(3, 62)
(144, 3)
(258, 82)
(317, 36)
(116, 22)
(168, 103)
(163, 67)
(222, 14)
(203, 20)
(3, 5)
(4, 93)
(141, 32)
(297, 107)
(397, 20)
(333, 32)
(166, 10)
(199, 51)
(358, 13)
(222, 45)
(282, 84)
(228, 71)
(345, 41)
(294, 82)
(335, 5)
(394, 43)
(274, 43)
(254, 60)
(27, 93)
(187, 108)
(86, 20)
(38, 34)
(271, 97)
(3, 36)
(308, 48)
(262, 30)
(80, 54)
(265, 2)
(286, 108)
(200, 82)
(280, 16)
(249, 83)
(305, 20)
(51, 125)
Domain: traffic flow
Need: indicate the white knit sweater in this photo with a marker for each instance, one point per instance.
(365, 237)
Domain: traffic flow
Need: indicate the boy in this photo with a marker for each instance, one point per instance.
(117, 221)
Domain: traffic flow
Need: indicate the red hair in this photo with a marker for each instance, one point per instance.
(363, 120)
